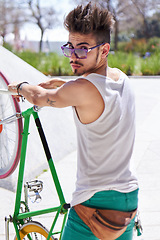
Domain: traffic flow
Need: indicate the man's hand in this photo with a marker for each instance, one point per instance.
(52, 83)
(12, 87)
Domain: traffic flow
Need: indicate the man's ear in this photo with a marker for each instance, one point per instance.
(105, 50)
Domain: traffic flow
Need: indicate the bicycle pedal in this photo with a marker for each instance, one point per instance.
(35, 186)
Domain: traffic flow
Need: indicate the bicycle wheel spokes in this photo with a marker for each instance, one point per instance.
(10, 134)
(8, 143)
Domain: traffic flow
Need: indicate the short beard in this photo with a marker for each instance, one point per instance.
(79, 74)
(92, 69)
(88, 71)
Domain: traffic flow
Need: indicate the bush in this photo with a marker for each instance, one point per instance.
(130, 63)
(50, 64)
(8, 46)
(138, 46)
(151, 65)
(32, 58)
(153, 44)
(124, 61)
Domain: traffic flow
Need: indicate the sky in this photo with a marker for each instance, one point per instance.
(58, 33)
(32, 32)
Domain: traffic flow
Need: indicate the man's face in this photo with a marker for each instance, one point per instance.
(89, 64)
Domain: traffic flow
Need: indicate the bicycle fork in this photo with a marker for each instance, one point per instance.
(7, 220)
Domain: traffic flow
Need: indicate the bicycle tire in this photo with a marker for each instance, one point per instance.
(10, 134)
(35, 229)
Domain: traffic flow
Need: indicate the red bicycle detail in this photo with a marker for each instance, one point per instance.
(10, 134)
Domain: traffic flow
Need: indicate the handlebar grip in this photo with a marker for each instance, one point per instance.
(6, 91)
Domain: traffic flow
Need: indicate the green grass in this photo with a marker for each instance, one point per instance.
(124, 61)
(151, 65)
(49, 64)
(130, 63)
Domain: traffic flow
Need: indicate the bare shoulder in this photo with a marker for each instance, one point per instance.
(80, 84)
(84, 89)
(114, 73)
(80, 89)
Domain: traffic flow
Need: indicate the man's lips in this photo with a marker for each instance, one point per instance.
(75, 65)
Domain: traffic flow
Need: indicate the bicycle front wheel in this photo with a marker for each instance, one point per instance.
(10, 134)
(33, 231)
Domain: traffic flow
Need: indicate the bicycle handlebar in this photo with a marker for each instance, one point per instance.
(6, 91)
(11, 118)
(15, 116)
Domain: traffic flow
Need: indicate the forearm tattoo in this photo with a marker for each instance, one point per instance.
(50, 102)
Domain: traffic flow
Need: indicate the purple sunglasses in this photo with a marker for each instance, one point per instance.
(79, 52)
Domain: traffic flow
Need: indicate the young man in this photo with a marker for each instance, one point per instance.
(104, 112)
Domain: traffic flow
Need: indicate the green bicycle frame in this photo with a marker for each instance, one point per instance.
(63, 207)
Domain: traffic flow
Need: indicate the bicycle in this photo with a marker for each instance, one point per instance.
(25, 227)
(10, 135)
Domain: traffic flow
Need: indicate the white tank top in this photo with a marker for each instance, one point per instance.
(104, 147)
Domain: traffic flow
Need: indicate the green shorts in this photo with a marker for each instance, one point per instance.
(76, 229)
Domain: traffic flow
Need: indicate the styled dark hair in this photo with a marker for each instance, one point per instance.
(90, 19)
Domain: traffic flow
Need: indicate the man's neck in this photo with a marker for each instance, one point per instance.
(101, 69)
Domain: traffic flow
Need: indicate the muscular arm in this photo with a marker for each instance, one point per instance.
(53, 83)
(69, 94)
(79, 93)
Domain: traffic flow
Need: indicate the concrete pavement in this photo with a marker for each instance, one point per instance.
(147, 162)
(147, 153)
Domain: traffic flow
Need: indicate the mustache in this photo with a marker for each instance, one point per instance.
(76, 63)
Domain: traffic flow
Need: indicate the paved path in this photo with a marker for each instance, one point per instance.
(147, 162)
(147, 154)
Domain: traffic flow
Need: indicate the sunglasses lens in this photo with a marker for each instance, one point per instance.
(81, 53)
(67, 51)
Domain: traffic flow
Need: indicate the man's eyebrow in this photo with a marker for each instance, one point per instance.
(82, 43)
(69, 43)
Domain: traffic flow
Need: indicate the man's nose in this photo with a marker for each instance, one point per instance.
(73, 55)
